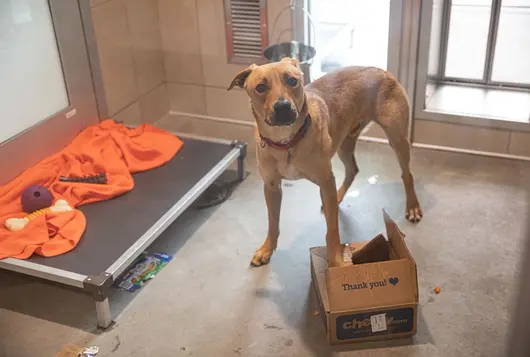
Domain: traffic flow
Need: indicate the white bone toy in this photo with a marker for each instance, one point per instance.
(17, 224)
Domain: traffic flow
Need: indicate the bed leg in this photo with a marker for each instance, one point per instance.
(103, 313)
(242, 146)
(98, 286)
(241, 168)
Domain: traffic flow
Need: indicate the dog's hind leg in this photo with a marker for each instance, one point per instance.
(393, 116)
(346, 153)
(401, 146)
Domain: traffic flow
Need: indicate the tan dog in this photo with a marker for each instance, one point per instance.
(299, 129)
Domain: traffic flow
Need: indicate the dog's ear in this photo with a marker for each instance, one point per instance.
(291, 60)
(241, 77)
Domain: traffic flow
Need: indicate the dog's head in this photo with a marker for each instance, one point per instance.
(276, 92)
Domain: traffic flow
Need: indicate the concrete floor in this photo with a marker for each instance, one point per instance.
(208, 302)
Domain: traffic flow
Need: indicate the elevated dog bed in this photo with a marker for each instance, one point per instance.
(120, 229)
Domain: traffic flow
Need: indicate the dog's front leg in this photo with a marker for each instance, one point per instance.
(328, 193)
(273, 198)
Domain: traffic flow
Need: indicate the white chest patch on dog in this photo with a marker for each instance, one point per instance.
(289, 172)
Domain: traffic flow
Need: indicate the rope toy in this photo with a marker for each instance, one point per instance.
(17, 224)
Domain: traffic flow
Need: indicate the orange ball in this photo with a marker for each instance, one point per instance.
(437, 290)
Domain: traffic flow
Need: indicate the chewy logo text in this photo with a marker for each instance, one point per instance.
(355, 324)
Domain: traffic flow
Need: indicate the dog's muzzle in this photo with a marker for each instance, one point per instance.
(284, 113)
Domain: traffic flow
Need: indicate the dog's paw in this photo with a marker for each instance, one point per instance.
(414, 213)
(261, 257)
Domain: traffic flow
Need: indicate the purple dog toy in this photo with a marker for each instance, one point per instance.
(36, 197)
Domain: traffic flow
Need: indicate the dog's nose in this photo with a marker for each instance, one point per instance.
(282, 105)
(283, 113)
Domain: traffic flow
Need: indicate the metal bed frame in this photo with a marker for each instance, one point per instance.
(119, 230)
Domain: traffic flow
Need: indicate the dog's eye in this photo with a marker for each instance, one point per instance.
(260, 88)
(292, 81)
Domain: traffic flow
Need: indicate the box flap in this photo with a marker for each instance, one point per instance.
(366, 286)
(397, 240)
(319, 264)
(376, 250)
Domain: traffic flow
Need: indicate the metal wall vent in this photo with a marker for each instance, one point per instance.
(246, 30)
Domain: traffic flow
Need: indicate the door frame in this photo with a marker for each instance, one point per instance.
(403, 44)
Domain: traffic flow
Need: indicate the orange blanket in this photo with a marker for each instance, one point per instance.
(107, 147)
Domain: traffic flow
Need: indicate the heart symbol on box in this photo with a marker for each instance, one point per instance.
(394, 281)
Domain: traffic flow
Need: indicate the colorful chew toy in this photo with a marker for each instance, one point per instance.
(17, 224)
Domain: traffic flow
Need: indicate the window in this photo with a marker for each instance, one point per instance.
(486, 42)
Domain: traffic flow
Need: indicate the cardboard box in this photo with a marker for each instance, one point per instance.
(372, 301)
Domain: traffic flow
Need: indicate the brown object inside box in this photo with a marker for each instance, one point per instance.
(376, 250)
(375, 298)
